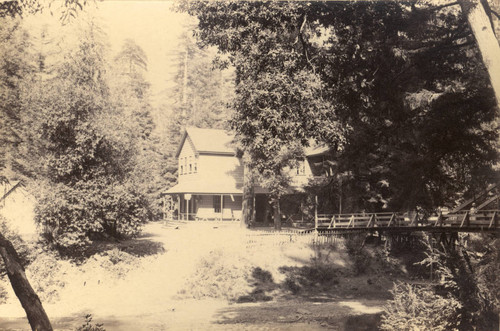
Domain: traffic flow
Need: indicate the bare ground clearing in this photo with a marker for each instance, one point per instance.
(180, 288)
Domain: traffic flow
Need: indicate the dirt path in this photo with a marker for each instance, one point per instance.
(146, 298)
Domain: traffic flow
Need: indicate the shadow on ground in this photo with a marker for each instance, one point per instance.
(283, 314)
(144, 245)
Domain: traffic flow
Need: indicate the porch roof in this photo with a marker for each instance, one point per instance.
(204, 187)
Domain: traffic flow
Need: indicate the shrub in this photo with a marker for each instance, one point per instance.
(263, 282)
(355, 248)
(418, 308)
(262, 276)
(219, 275)
(308, 276)
(46, 274)
(71, 215)
(291, 284)
(115, 262)
(89, 326)
(19, 244)
(3, 292)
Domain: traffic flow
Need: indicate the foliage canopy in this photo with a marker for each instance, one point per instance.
(396, 89)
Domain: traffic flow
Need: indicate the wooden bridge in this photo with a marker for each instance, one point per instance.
(396, 228)
(461, 221)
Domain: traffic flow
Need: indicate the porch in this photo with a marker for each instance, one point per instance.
(205, 207)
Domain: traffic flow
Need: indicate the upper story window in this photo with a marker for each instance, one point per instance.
(188, 165)
(301, 167)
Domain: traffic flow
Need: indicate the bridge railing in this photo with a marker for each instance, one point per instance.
(479, 219)
(357, 220)
(483, 219)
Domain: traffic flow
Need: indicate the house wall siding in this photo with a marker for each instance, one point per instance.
(214, 168)
(232, 209)
(220, 168)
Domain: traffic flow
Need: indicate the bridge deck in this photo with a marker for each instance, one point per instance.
(464, 221)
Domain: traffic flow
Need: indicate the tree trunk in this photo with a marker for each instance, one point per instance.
(277, 215)
(266, 213)
(248, 199)
(481, 26)
(29, 300)
(185, 83)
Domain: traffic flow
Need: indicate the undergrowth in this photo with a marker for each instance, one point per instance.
(219, 275)
(90, 326)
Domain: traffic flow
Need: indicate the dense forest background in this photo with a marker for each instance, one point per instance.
(80, 130)
(400, 92)
(408, 113)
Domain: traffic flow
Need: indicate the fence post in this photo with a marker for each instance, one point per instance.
(315, 218)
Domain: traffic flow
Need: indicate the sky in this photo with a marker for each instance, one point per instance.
(153, 25)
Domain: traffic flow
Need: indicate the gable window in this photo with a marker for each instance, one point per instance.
(195, 166)
(185, 166)
(190, 164)
(301, 167)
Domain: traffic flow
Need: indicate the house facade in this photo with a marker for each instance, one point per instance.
(210, 178)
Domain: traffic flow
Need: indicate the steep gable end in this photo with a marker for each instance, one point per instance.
(208, 141)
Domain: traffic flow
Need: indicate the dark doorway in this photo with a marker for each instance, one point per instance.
(262, 209)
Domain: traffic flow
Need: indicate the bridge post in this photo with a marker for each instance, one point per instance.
(493, 222)
(316, 219)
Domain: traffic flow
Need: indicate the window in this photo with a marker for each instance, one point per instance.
(217, 202)
(185, 165)
(190, 164)
(195, 164)
(181, 170)
(301, 167)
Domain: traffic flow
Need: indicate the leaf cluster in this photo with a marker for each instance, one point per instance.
(396, 89)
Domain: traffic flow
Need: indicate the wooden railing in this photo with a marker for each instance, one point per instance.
(481, 220)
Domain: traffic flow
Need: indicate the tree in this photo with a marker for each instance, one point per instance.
(396, 89)
(199, 97)
(29, 299)
(16, 62)
(78, 153)
(132, 116)
(481, 25)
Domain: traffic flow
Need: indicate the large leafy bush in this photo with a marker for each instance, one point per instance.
(71, 215)
(419, 308)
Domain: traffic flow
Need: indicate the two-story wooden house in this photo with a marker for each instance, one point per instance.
(210, 178)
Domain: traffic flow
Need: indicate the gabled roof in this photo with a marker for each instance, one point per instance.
(208, 141)
(317, 150)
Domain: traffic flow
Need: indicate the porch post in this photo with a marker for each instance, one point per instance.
(253, 210)
(221, 207)
(178, 207)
